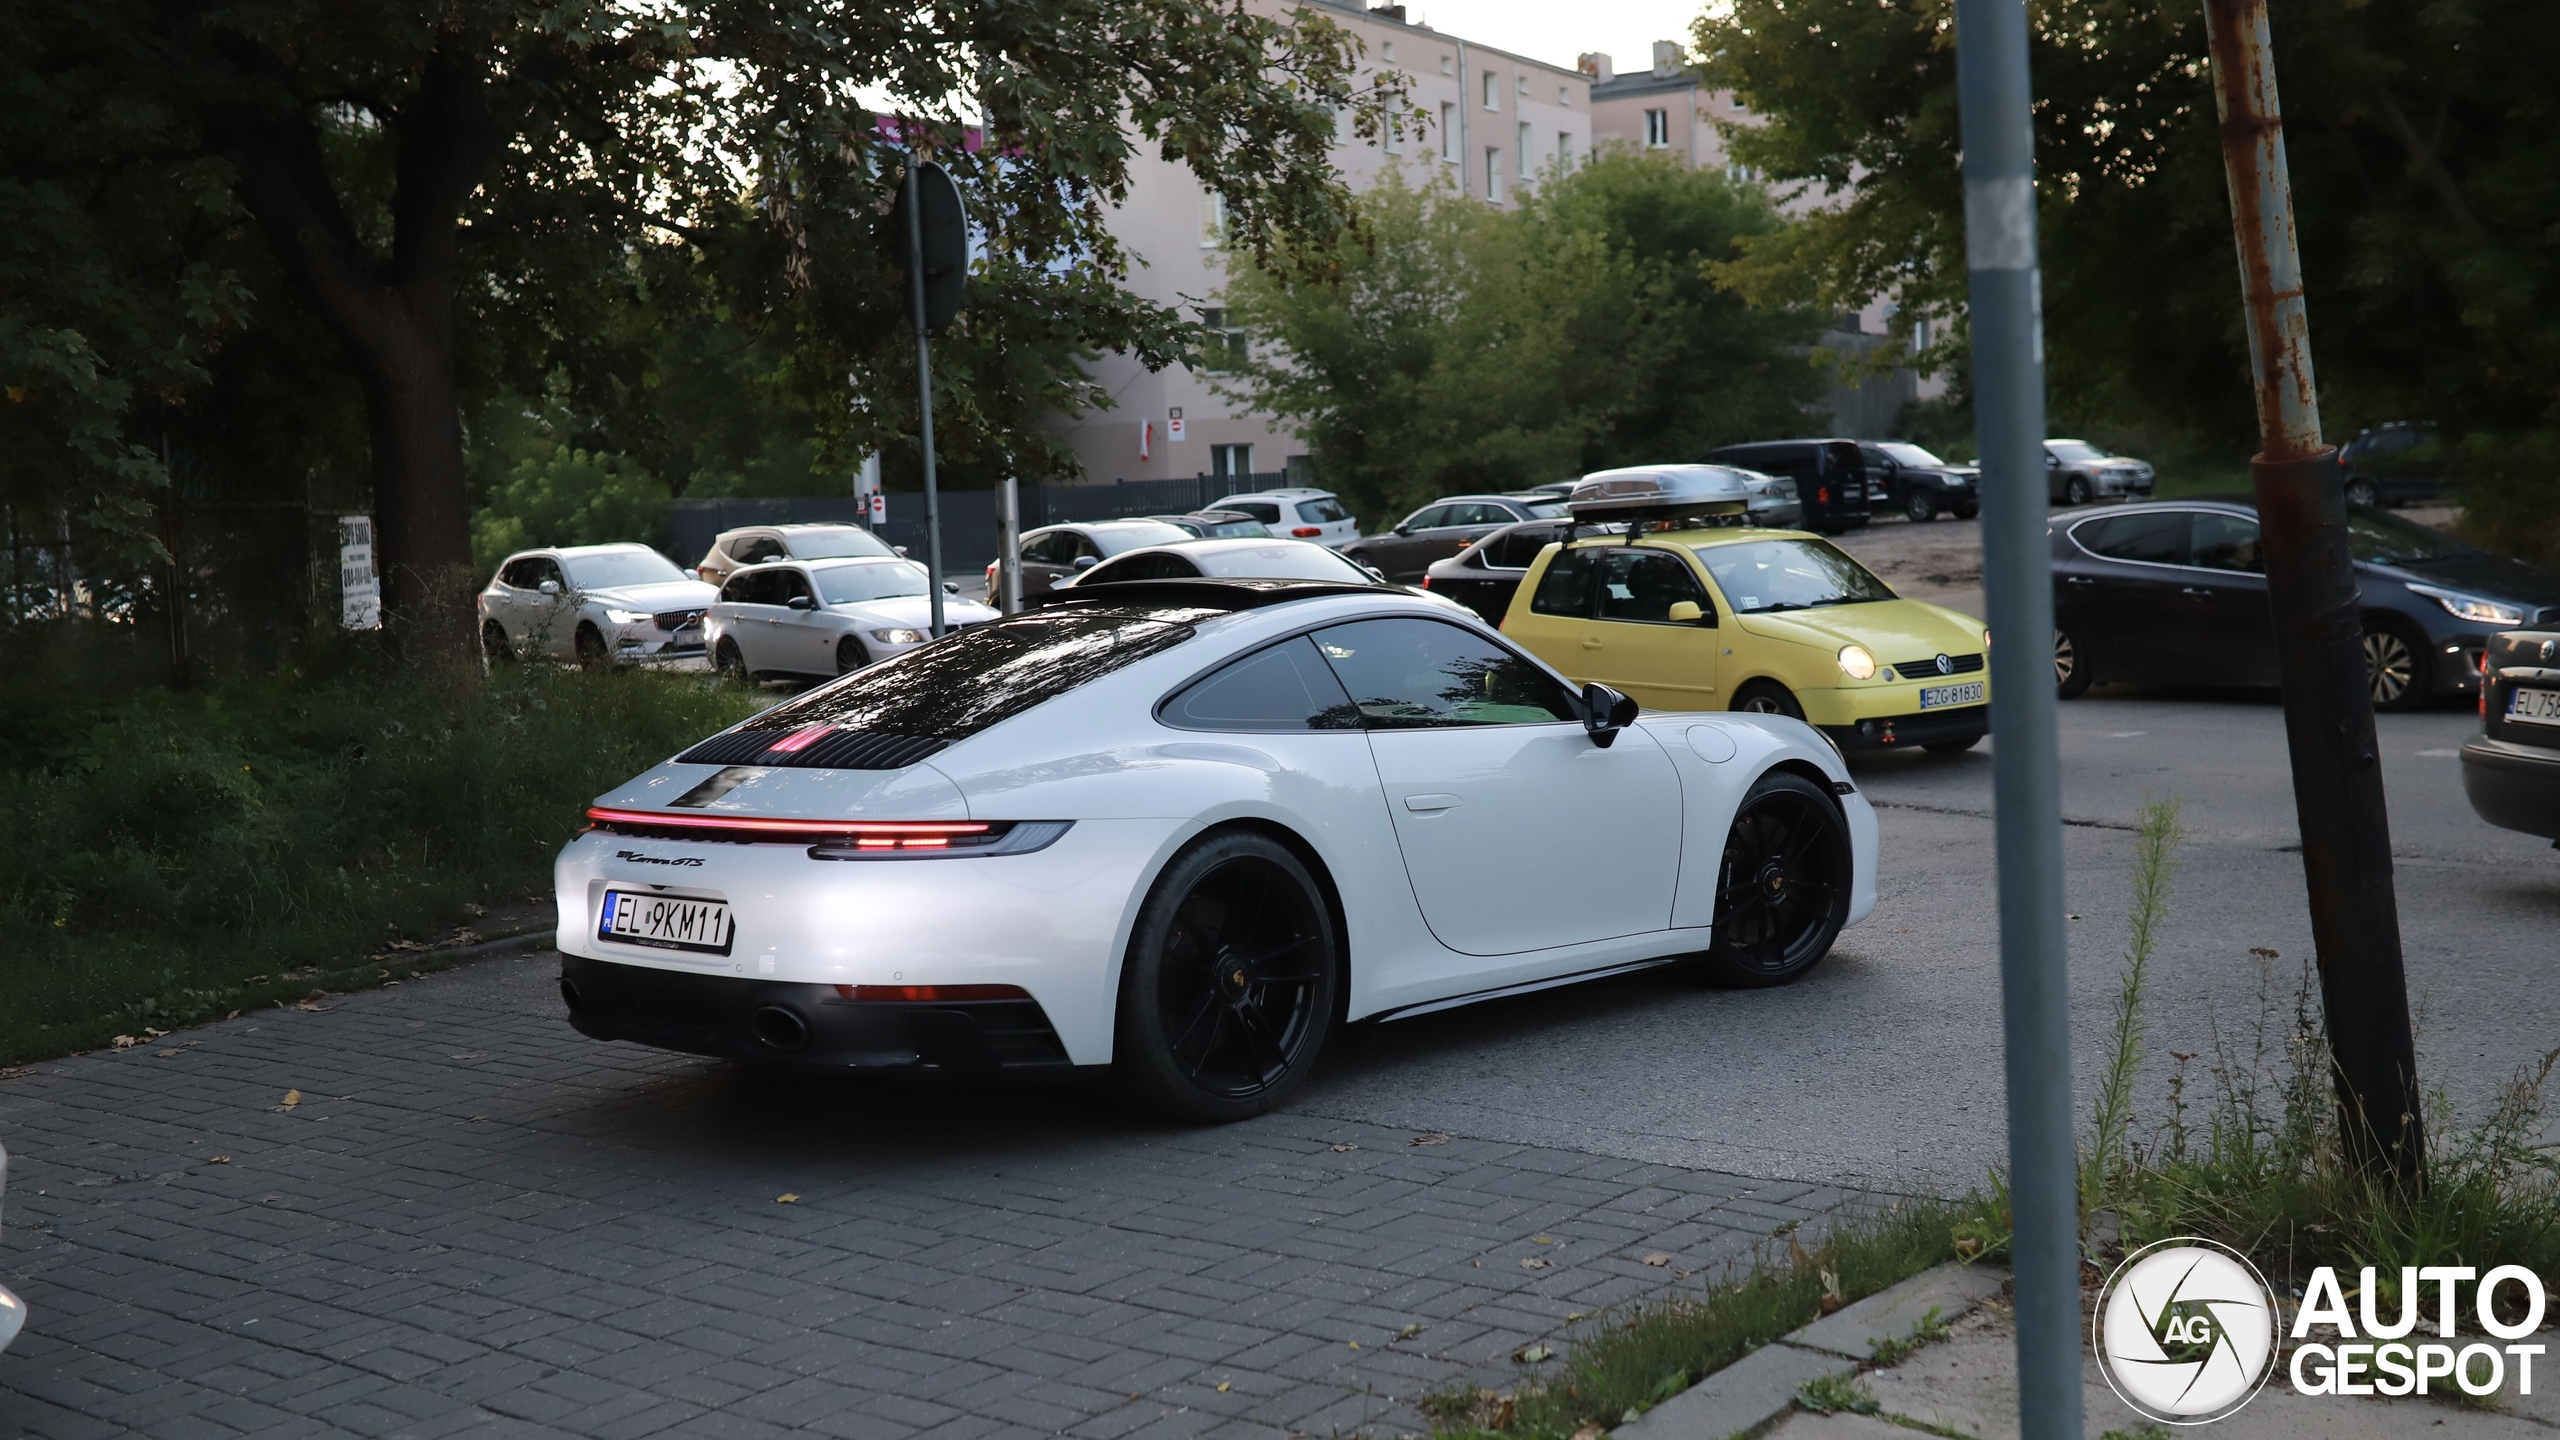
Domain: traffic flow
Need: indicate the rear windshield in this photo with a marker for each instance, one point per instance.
(879, 580)
(1224, 529)
(1547, 509)
(1117, 539)
(1281, 560)
(616, 568)
(833, 544)
(1326, 511)
(1764, 575)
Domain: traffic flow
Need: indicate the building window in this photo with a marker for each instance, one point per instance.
(1229, 350)
(1387, 52)
(1920, 334)
(1448, 65)
(1493, 173)
(1564, 149)
(1492, 91)
(1213, 219)
(1231, 462)
(1524, 83)
(1657, 129)
(1448, 132)
(1395, 137)
(1564, 95)
(1522, 150)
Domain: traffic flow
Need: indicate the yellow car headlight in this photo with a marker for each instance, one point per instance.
(1856, 663)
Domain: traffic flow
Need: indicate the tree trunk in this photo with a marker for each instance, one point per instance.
(422, 524)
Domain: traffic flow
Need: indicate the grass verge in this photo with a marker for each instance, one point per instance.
(167, 858)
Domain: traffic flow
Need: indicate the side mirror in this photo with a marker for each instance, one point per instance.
(1684, 612)
(692, 573)
(801, 602)
(1404, 529)
(1087, 562)
(1372, 569)
(549, 587)
(901, 549)
(1057, 580)
(950, 587)
(1605, 712)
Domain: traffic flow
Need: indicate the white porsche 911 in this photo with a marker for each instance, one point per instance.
(1184, 830)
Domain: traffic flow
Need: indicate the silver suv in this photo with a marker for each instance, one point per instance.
(1297, 512)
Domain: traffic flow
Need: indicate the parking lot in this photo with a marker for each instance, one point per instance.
(435, 1210)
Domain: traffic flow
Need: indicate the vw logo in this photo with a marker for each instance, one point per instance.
(2186, 1331)
(2548, 646)
(1946, 666)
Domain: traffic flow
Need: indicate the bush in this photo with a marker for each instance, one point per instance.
(158, 850)
(570, 497)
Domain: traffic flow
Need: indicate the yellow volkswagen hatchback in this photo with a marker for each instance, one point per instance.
(1775, 621)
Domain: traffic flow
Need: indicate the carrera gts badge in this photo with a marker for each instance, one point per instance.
(637, 858)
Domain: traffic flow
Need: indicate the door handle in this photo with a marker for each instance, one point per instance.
(1590, 644)
(2078, 580)
(2197, 592)
(1427, 804)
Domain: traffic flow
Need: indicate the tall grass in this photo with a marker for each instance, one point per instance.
(158, 850)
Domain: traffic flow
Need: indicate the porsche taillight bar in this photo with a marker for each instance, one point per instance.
(893, 832)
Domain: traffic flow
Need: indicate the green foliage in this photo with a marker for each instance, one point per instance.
(1472, 348)
(2420, 149)
(571, 497)
(157, 851)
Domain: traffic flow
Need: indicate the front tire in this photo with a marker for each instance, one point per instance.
(850, 656)
(1920, 507)
(1782, 890)
(1231, 982)
(2363, 494)
(591, 650)
(2395, 666)
(2075, 491)
(2071, 673)
(1767, 697)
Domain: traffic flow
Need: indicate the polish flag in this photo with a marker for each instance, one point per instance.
(1146, 438)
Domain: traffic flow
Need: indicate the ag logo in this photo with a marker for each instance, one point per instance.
(2186, 1331)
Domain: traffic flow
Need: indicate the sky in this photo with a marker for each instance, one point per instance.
(1556, 31)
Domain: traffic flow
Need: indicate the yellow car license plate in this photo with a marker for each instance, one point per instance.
(2534, 707)
(1936, 697)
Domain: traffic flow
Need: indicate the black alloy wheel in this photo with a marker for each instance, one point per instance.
(2394, 665)
(2075, 491)
(2071, 673)
(1767, 697)
(1782, 891)
(1231, 982)
(850, 656)
(493, 643)
(2363, 494)
(1918, 504)
(726, 659)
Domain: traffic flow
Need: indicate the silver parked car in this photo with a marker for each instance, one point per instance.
(748, 545)
(818, 619)
(2077, 472)
(1771, 502)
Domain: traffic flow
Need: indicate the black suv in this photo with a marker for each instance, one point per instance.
(2512, 771)
(1830, 476)
(2393, 464)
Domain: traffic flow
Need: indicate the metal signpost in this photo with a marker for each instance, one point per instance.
(2311, 588)
(937, 266)
(2005, 293)
(1008, 596)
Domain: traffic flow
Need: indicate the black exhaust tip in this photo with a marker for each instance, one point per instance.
(778, 1028)
(569, 996)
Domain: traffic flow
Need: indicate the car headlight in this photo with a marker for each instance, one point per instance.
(1856, 663)
(898, 637)
(2473, 607)
(625, 617)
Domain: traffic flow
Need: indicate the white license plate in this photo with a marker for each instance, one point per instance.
(665, 922)
(2534, 707)
(1937, 697)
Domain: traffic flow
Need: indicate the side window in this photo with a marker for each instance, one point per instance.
(1474, 513)
(1262, 510)
(1079, 546)
(1876, 461)
(2158, 537)
(1285, 687)
(1643, 585)
(758, 549)
(1050, 548)
(737, 590)
(1516, 549)
(522, 574)
(790, 585)
(2227, 542)
(1322, 512)
(547, 568)
(764, 587)
(1566, 587)
(1428, 516)
(1420, 674)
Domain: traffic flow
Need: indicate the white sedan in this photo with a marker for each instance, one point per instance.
(596, 604)
(824, 618)
(1185, 831)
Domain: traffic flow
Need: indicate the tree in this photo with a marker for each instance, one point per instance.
(460, 191)
(2422, 161)
(1463, 347)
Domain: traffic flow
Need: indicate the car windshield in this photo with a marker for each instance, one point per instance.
(1280, 560)
(2381, 539)
(873, 580)
(1118, 539)
(1762, 575)
(1547, 509)
(1225, 529)
(616, 568)
(2074, 451)
(1326, 511)
(835, 543)
(1910, 455)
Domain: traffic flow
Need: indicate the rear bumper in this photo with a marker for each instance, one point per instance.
(1901, 732)
(2514, 787)
(790, 1023)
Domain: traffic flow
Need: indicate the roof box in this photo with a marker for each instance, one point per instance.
(1660, 493)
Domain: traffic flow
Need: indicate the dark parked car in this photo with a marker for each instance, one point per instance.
(1904, 477)
(2393, 464)
(2077, 472)
(1054, 552)
(1482, 576)
(2512, 771)
(1443, 528)
(1830, 476)
(2175, 591)
(1215, 524)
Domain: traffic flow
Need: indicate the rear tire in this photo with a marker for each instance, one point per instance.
(1767, 697)
(2395, 665)
(726, 659)
(1782, 888)
(1231, 982)
(850, 656)
(493, 643)
(2071, 673)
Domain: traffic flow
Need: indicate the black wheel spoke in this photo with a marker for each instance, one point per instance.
(1269, 1058)
(1208, 1002)
(1263, 957)
(1208, 1047)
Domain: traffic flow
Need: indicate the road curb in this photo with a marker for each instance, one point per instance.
(1758, 1389)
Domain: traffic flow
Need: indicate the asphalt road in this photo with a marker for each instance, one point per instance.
(1882, 1068)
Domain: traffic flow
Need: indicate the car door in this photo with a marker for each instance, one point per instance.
(804, 635)
(1400, 551)
(1518, 833)
(1885, 480)
(1045, 557)
(511, 599)
(2230, 628)
(1467, 523)
(759, 595)
(550, 616)
(2125, 593)
(1634, 642)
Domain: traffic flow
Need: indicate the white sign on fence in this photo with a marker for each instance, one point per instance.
(359, 589)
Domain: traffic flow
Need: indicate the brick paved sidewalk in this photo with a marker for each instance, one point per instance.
(476, 1222)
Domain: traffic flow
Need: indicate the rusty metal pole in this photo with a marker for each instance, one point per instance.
(2319, 624)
